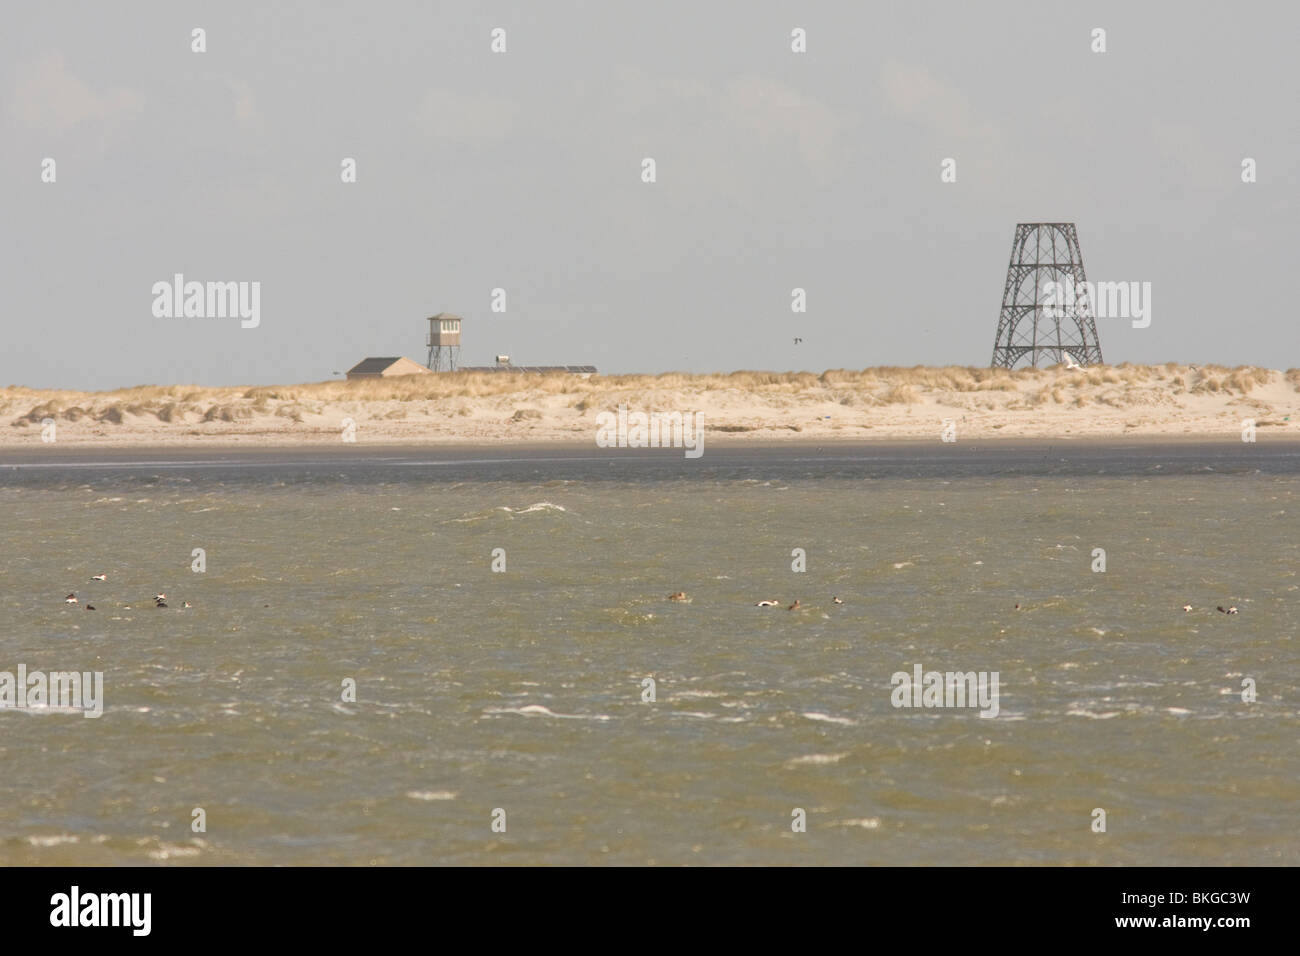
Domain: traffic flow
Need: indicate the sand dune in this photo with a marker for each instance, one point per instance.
(1101, 402)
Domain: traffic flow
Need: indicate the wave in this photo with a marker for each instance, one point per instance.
(543, 507)
(815, 760)
(827, 718)
(537, 710)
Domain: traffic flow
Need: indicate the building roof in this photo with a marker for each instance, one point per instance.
(386, 368)
(373, 365)
(445, 315)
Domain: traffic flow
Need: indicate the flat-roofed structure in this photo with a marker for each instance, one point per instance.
(582, 370)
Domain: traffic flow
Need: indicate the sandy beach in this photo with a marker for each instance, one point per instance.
(1127, 401)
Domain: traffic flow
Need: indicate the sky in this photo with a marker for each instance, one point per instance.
(523, 170)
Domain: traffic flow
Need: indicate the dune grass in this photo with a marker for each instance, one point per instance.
(458, 392)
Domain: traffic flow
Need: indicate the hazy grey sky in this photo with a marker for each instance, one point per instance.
(522, 170)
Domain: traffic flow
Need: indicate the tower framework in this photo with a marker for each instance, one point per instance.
(1035, 326)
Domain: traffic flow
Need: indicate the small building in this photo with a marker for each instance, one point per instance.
(444, 342)
(385, 368)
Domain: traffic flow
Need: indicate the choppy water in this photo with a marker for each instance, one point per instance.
(522, 690)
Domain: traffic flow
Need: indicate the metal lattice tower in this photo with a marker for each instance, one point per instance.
(1045, 252)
